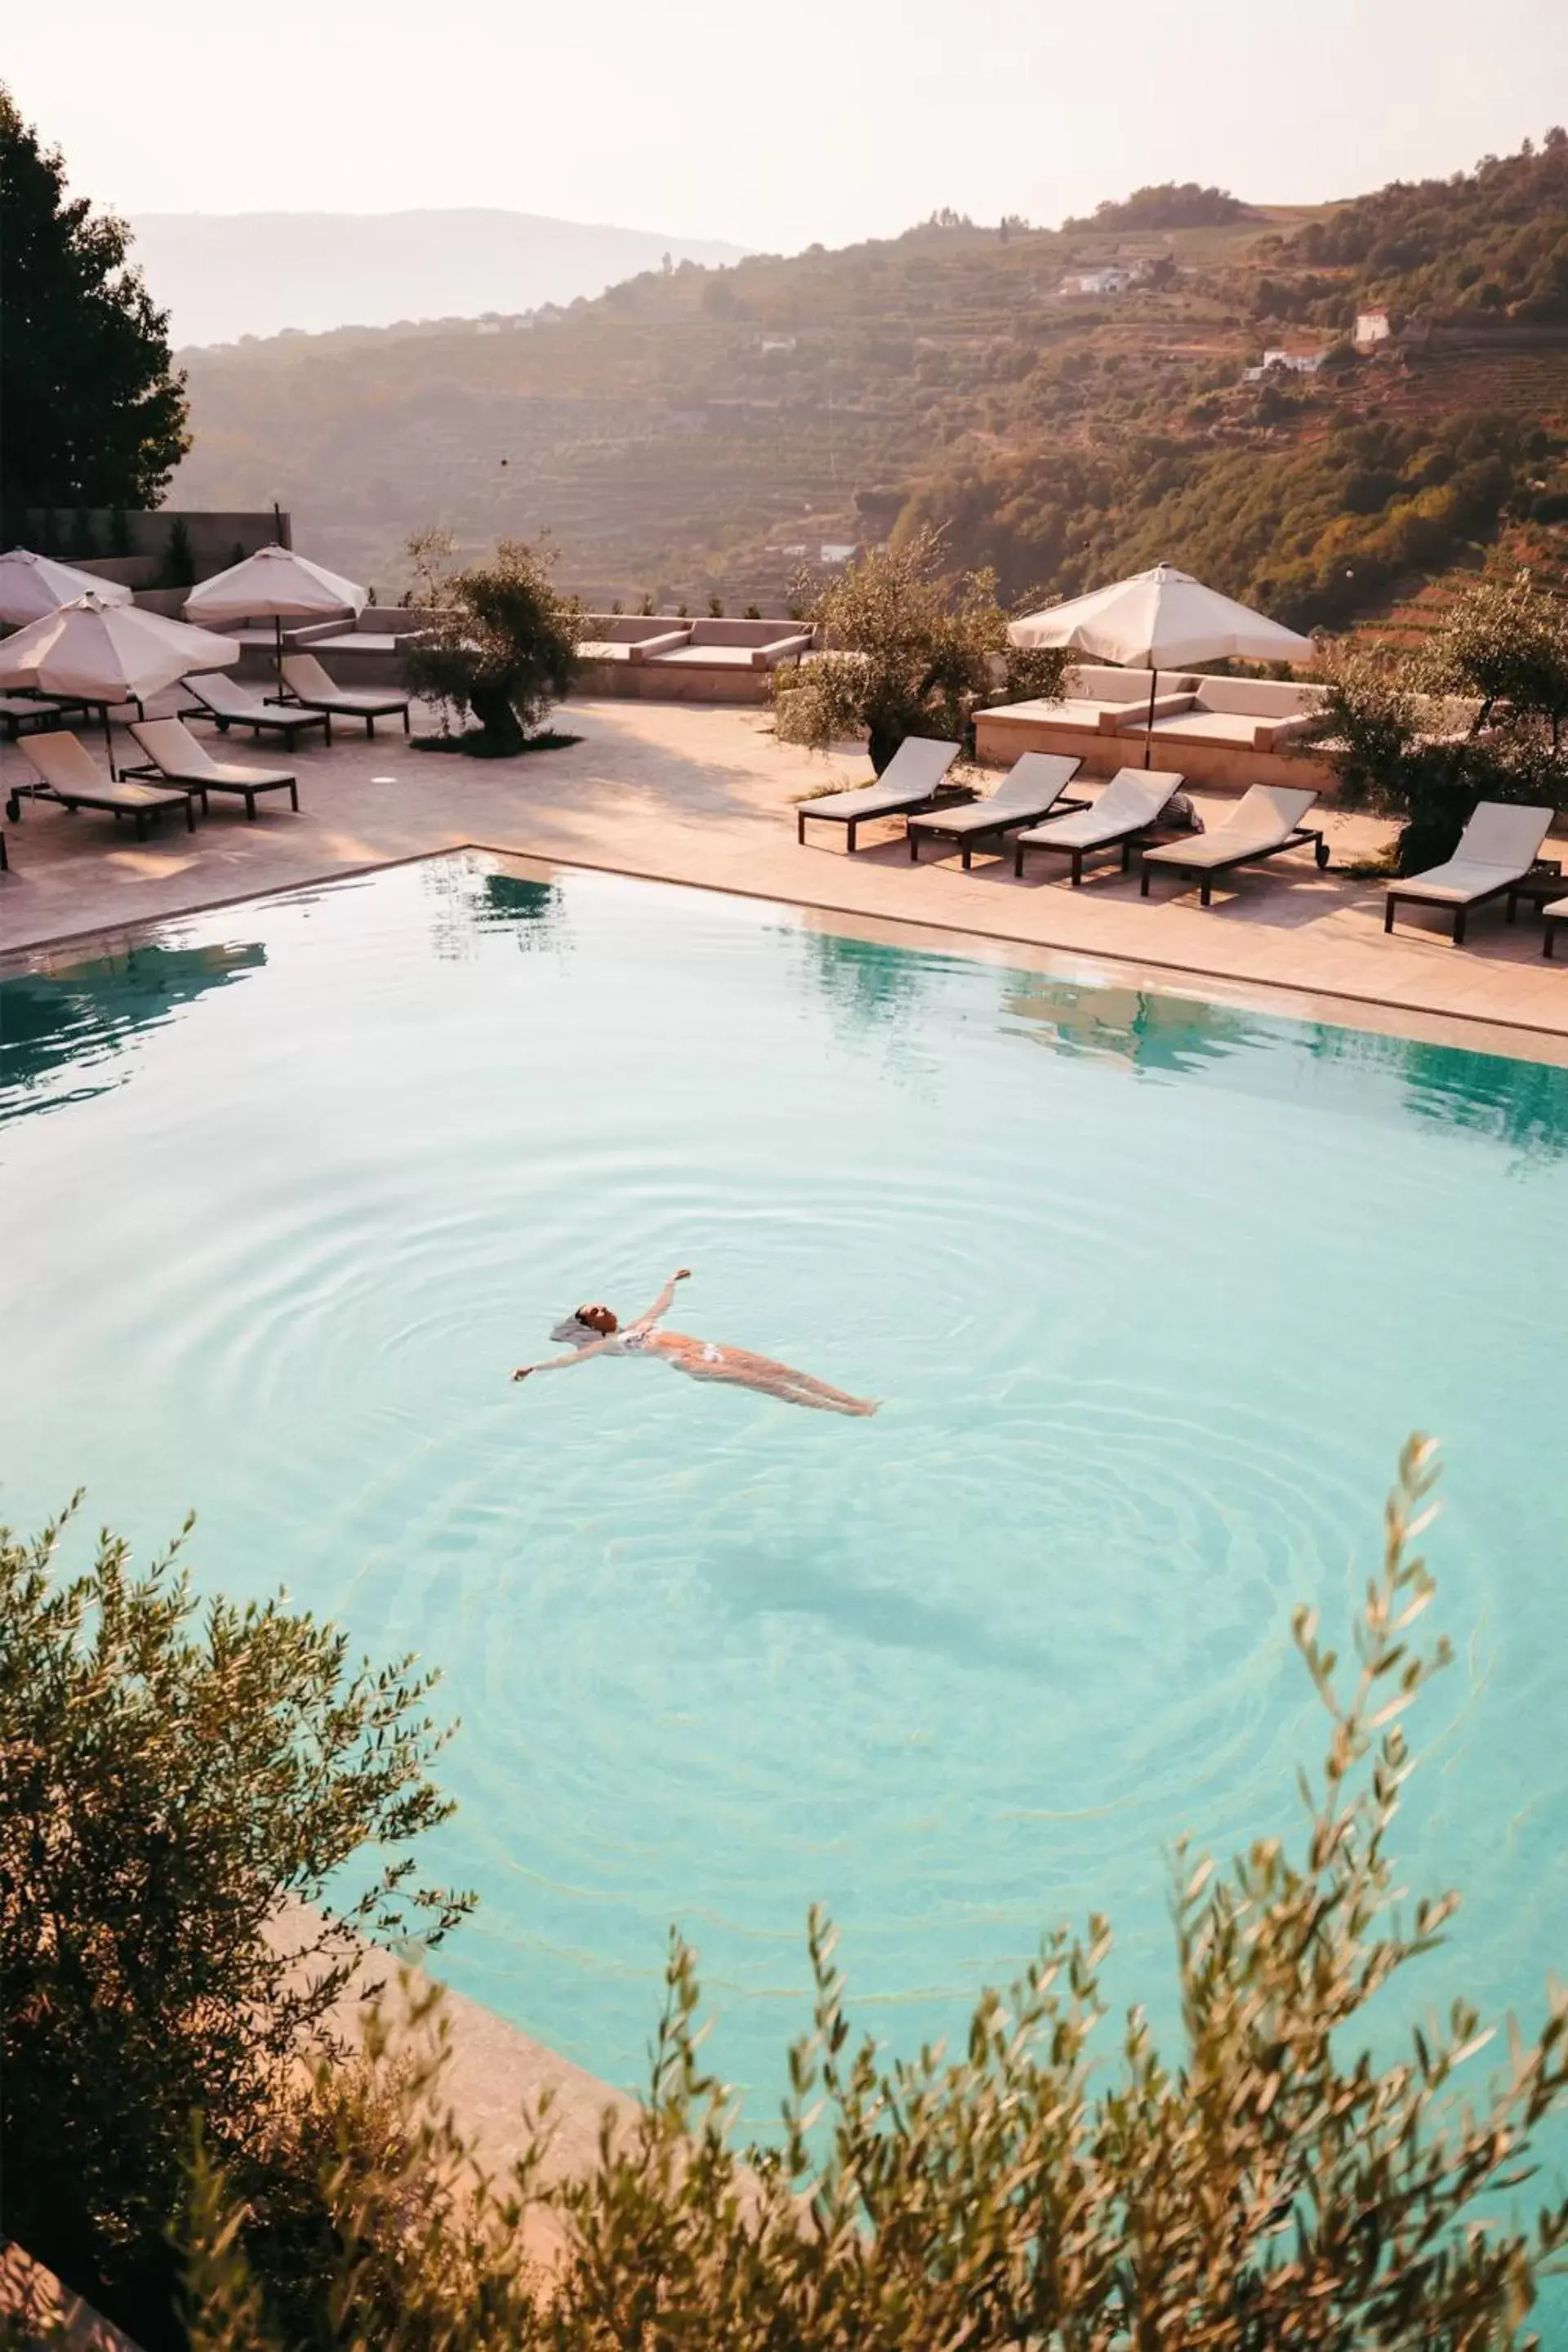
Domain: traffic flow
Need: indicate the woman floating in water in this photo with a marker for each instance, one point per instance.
(594, 1331)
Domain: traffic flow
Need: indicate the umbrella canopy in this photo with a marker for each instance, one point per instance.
(277, 585)
(274, 584)
(32, 586)
(1162, 619)
(91, 651)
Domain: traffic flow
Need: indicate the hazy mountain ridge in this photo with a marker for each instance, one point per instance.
(223, 276)
(700, 430)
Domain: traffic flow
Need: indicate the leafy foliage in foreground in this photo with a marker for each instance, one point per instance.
(1275, 2185)
(173, 1777)
(912, 650)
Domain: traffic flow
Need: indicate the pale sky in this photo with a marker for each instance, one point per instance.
(774, 125)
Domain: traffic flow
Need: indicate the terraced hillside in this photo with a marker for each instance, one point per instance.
(703, 431)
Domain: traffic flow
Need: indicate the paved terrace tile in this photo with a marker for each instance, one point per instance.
(706, 796)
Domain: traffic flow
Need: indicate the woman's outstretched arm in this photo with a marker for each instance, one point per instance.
(563, 1363)
(666, 1299)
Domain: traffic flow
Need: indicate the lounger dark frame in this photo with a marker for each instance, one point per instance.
(55, 712)
(1297, 838)
(972, 837)
(913, 807)
(1542, 881)
(71, 801)
(153, 773)
(1135, 837)
(285, 724)
(1543, 869)
(395, 707)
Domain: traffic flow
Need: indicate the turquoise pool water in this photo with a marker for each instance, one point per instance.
(1151, 1289)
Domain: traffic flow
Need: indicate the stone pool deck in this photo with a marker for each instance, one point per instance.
(706, 796)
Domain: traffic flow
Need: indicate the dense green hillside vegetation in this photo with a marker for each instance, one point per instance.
(1495, 239)
(706, 431)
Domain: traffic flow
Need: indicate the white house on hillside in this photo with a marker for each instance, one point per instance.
(1371, 326)
(1288, 362)
(1099, 281)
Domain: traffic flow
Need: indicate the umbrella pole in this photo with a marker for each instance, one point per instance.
(109, 742)
(278, 649)
(1149, 724)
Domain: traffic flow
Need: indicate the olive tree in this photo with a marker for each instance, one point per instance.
(176, 1776)
(1505, 642)
(909, 649)
(1273, 2181)
(504, 642)
(1402, 745)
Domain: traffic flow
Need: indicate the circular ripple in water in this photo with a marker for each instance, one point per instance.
(962, 1671)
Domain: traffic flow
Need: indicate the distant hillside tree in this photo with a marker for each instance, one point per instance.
(1168, 207)
(94, 410)
(910, 650)
(1494, 239)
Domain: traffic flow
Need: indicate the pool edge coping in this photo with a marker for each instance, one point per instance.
(1400, 1019)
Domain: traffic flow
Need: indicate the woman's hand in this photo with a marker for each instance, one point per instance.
(523, 1372)
(682, 1274)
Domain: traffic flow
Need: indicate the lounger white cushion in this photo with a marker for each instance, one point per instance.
(71, 773)
(909, 778)
(170, 746)
(1499, 846)
(1132, 799)
(1265, 816)
(63, 761)
(1029, 789)
(225, 697)
(309, 681)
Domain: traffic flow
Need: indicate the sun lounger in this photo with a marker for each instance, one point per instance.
(19, 711)
(229, 704)
(69, 774)
(1266, 820)
(1124, 812)
(179, 759)
(1497, 848)
(1034, 785)
(309, 685)
(1550, 915)
(909, 782)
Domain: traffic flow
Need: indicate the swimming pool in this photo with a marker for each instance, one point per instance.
(1152, 1290)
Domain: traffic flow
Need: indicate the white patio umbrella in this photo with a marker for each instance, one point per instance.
(277, 585)
(1163, 619)
(92, 651)
(32, 586)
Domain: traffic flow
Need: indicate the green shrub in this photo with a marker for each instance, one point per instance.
(1403, 751)
(174, 1775)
